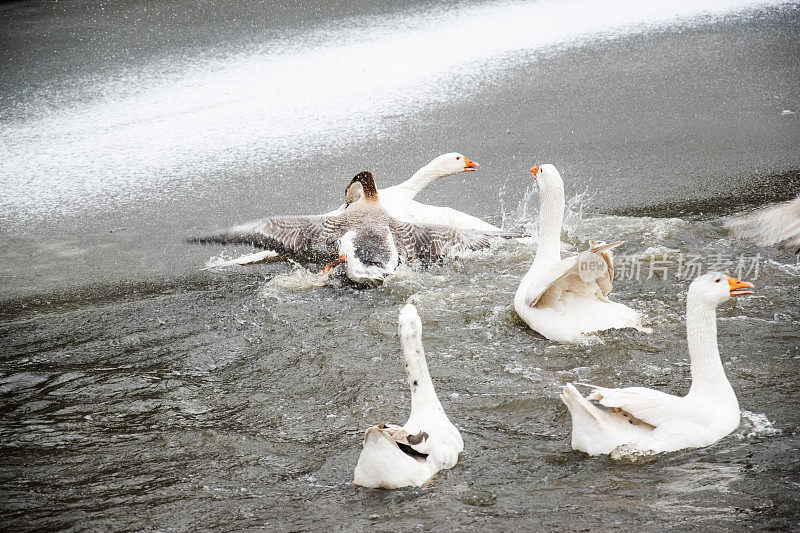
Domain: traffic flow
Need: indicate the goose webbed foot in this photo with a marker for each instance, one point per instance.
(331, 266)
(322, 277)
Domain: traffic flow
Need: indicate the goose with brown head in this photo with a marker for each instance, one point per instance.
(369, 191)
(364, 237)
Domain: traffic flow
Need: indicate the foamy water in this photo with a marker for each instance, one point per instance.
(286, 100)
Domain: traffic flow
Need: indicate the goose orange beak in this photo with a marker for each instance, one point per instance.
(739, 288)
(534, 171)
(469, 165)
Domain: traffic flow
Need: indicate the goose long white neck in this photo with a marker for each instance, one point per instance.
(421, 178)
(701, 334)
(551, 219)
(423, 396)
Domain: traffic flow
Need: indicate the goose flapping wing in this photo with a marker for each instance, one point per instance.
(288, 234)
(606, 279)
(549, 277)
(765, 227)
(431, 243)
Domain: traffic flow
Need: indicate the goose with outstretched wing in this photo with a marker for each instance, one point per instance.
(367, 240)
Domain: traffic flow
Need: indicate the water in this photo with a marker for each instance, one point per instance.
(141, 393)
(131, 133)
(239, 400)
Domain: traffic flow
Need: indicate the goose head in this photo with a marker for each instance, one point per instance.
(361, 186)
(715, 288)
(353, 192)
(409, 325)
(547, 177)
(452, 163)
(409, 329)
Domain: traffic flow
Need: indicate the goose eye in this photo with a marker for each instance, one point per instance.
(457, 158)
(718, 280)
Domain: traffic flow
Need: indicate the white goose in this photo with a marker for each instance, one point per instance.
(399, 202)
(651, 421)
(410, 455)
(564, 299)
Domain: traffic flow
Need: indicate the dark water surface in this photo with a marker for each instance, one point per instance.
(140, 393)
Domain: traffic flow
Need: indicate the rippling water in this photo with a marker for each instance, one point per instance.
(140, 393)
(238, 398)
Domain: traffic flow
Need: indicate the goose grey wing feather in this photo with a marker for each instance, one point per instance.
(431, 243)
(289, 234)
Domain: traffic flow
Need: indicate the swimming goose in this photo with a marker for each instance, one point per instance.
(651, 421)
(399, 202)
(408, 456)
(772, 225)
(367, 240)
(564, 299)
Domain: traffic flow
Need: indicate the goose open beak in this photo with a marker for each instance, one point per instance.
(739, 288)
(469, 165)
(534, 171)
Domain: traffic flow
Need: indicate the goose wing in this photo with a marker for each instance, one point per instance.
(289, 234)
(431, 243)
(566, 267)
(651, 406)
(605, 280)
(249, 259)
(412, 444)
(549, 277)
(765, 227)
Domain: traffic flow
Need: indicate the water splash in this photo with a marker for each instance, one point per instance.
(225, 260)
(756, 424)
(300, 279)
